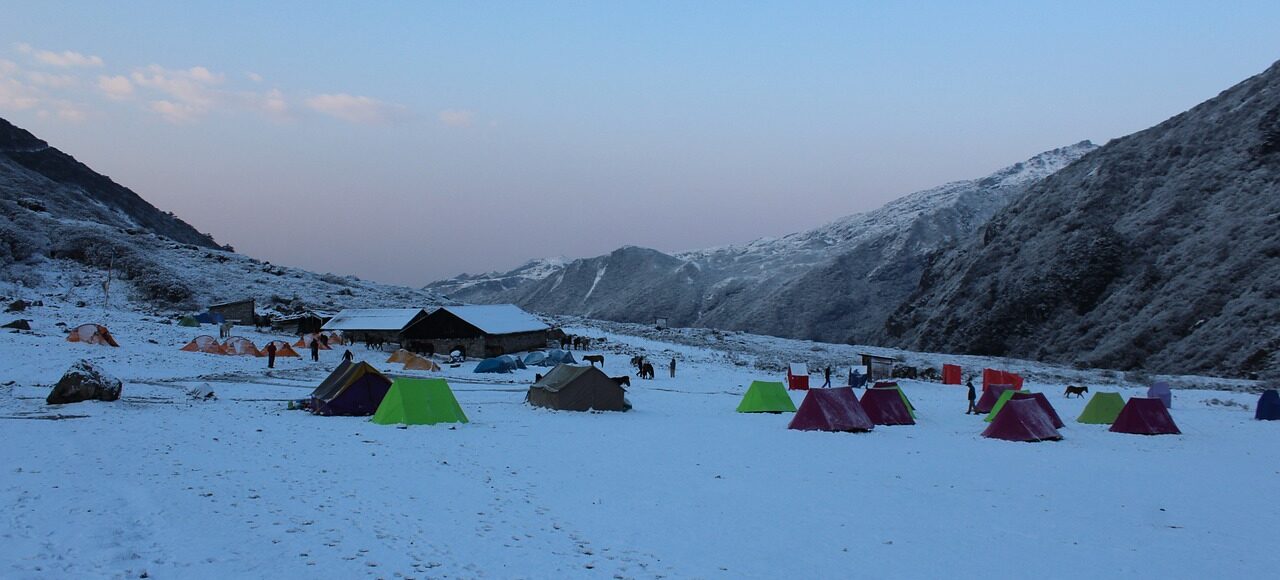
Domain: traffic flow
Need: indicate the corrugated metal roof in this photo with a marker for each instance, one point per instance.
(386, 319)
(498, 318)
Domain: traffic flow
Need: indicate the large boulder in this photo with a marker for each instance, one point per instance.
(84, 382)
(19, 324)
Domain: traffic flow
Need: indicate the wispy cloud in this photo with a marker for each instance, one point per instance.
(356, 109)
(64, 59)
(116, 87)
(456, 117)
(14, 93)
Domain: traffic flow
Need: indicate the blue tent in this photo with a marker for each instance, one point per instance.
(535, 358)
(496, 364)
(1268, 406)
(857, 379)
(514, 361)
(210, 318)
(556, 356)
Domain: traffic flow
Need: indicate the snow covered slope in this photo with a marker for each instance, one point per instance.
(835, 283)
(163, 486)
(67, 229)
(1161, 250)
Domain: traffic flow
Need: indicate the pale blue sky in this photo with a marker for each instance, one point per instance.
(439, 138)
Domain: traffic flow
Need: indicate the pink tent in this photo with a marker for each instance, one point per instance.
(1022, 419)
(1145, 416)
(831, 410)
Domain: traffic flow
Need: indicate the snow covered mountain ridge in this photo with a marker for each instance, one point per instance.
(838, 280)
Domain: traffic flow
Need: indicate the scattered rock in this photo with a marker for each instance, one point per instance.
(20, 324)
(17, 306)
(84, 382)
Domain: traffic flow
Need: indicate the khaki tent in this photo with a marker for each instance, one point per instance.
(92, 334)
(353, 389)
(417, 363)
(400, 356)
(204, 343)
(578, 388)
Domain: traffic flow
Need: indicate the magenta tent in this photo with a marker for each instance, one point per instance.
(886, 407)
(831, 410)
(1145, 416)
(990, 396)
(1022, 419)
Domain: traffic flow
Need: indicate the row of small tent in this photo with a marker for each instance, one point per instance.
(510, 363)
(238, 345)
(358, 389)
(1014, 415)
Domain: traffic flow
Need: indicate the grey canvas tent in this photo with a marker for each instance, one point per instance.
(578, 388)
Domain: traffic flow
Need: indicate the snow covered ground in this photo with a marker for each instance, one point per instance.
(682, 487)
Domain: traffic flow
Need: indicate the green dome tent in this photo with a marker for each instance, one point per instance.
(189, 320)
(766, 397)
(1102, 409)
(419, 402)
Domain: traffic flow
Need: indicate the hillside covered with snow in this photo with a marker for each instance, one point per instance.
(836, 283)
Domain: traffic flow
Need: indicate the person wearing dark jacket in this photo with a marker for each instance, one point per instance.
(673, 367)
(347, 356)
(271, 355)
(973, 396)
(315, 350)
(827, 373)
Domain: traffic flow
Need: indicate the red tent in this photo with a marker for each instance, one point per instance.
(886, 407)
(1043, 401)
(1022, 419)
(798, 377)
(989, 397)
(951, 374)
(1145, 416)
(995, 377)
(831, 410)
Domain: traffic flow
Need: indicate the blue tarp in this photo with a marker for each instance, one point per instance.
(1268, 406)
(500, 364)
(210, 318)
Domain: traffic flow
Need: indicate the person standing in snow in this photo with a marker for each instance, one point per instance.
(271, 355)
(973, 396)
(347, 356)
(324, 339)
(315, 350)
(827, 374)
(673, 367)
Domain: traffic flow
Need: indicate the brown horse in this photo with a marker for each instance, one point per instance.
(1074, 390)
(646, 371)
(622, 381)
(593, 359)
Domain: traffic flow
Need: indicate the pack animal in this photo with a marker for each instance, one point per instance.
(646, 371)
(1074, 390)
(593, 359)
(624, 381)
(637, 361)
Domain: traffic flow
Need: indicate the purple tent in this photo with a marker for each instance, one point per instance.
(1022, 419)
(1268, 406)
(1145, 417)
(350, 390)
(831, 410)
(1161, 391)
(990, 396)
(1043, 401)
(886, 407)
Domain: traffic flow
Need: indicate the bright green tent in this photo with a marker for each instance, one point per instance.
(1004, 398)
(419, 402)
(188, 320)
(1103, 408)
(766, 397)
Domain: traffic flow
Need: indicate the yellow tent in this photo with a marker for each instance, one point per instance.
(417, 363)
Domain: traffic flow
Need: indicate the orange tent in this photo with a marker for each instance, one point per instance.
(334, 337)
(204, 343)
(400, 356)
(417, 363)
(282, 349)
(306, 340)
(92, 334)
(239, 345)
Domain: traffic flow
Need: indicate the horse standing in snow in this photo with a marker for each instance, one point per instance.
(593, 359)
(1074, 390)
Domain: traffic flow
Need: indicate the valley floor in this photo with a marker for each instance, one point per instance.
(682, 487)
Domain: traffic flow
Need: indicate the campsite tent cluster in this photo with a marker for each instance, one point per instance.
(358, 389)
